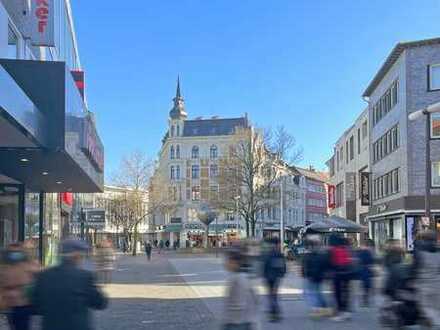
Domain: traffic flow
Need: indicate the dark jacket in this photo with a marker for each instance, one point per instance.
(63, 296)
(274, 266)
(315, 265)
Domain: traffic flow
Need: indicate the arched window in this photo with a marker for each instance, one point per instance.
(172, 172)
(195, 152)
(172, 130)
(177, 172)
(177, 152)
(172, 152)
(178, 130)
(213, 152)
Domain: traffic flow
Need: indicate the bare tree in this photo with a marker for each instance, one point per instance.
(283, 144)
(131, 208)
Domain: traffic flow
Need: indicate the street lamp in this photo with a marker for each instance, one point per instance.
(433, 108)
(282, 213)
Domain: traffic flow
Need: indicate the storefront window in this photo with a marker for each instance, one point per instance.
(435, 174)
(32, 223)
(52, 228)
(9, 207)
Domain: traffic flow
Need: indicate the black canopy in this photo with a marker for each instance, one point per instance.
(335, 224)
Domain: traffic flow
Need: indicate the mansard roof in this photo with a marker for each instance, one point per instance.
(214, 126)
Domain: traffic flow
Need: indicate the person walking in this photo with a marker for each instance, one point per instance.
(148, 249)
(161, 245)
(314, 268)
(274, 269)
(64, 294)
(16, 279)
(341, 264)
(427, 267)
(365, 258)
(240, 308)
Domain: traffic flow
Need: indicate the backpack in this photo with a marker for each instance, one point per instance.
(341, 257)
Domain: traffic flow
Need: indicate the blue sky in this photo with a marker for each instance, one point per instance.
(300, 63)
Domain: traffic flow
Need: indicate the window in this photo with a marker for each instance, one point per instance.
(213, 171)
(351, 147)
(386, 102)
(386, 144)
(346, 151)
(177, 152)
(434, 77)
(172, 173)
(386, 184)
(213, 152)
(364, 129)
(172, 130)
(342, 156)
(177, 172)
(435, 125)
(340, 194)
(213, 191)
(337, 160)
(195, 193)
(178, 130)
(195, 152)
(195, 171)
(12, 43)
(172, 155)
(359, 140)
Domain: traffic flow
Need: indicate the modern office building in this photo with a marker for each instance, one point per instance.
(49, 145)
(408, 80)
(348, 166)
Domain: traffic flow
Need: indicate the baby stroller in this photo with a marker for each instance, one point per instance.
(401, 307)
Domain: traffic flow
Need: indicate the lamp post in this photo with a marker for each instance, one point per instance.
(282, 213)
(433, 108)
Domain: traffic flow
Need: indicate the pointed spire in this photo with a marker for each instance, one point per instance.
(178, 110)
(178, 87)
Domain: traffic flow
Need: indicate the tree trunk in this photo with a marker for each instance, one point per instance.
(253, 229)
(247, 228)
(134, 240)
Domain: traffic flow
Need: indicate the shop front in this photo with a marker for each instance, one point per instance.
(48, 146)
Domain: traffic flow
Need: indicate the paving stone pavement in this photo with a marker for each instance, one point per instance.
(151, 295)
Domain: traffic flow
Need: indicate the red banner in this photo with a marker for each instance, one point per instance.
(67, 198)
(331, 196)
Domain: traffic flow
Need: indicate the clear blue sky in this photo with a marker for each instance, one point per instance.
(300, 63)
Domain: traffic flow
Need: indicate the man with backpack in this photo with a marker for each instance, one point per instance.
(342, 267)
(274, 269)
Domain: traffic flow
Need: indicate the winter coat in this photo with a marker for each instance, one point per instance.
(274, 266)
(315, 266)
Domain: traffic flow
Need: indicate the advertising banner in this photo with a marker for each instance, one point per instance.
(35, 19)
(410, 229)
(365, 188)
(331, 196)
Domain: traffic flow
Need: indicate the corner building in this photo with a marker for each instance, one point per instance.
(189, 160)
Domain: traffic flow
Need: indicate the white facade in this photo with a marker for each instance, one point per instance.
(351, 157)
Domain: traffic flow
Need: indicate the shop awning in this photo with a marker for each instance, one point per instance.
(335, 224)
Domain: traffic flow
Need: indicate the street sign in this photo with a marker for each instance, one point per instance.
(365, 188)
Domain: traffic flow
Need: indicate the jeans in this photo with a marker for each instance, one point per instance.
(274, 307)
(313, 294)
(341, 283)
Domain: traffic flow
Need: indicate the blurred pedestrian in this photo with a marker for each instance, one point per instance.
(427, 261)
(161, 245)
(274, 269)
(148, 249)
(105, 259)
(240, 310)
(314, 268)
(167, 244)
(341, 265)
(64, 294)
(365, 258)
(17, 277)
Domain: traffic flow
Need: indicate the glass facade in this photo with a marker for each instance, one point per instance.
(9, 215)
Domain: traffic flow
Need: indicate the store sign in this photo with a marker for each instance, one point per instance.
(35, 20)
(193, 226)
(95, 217)
(365, 188)
(331, 196)
(91, 145)
(410, 229)
(176, 220)
(67, 198)
(337, 230)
